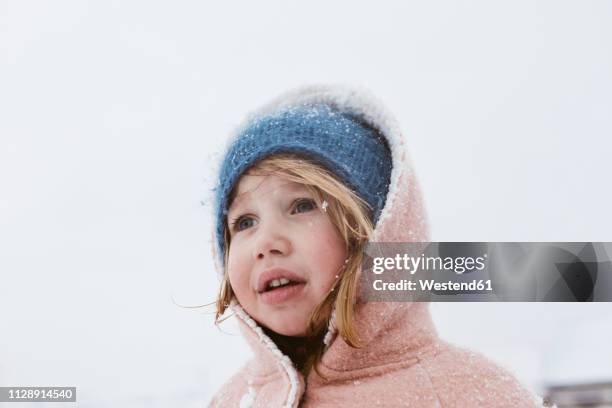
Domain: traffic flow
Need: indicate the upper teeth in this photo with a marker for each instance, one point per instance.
(278, 282)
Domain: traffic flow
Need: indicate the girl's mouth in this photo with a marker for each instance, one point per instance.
(281, 290)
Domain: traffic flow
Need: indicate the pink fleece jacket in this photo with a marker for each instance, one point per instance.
(402, 363)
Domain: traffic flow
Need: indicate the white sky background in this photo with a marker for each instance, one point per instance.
(111, 112)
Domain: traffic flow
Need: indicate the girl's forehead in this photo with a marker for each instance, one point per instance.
(255, 183)
(252, 187)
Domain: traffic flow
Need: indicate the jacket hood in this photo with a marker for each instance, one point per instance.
(387, 330)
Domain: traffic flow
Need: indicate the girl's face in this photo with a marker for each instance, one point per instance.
(284, 253)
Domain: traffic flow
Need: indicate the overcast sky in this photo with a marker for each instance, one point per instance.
(113, 111)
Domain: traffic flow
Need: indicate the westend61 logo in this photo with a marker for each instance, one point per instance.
(487, 271)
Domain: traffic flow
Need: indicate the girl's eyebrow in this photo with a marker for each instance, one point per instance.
(239, 200)
(236, 206)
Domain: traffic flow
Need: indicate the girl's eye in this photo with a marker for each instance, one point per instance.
(305, 205)
(242, 223)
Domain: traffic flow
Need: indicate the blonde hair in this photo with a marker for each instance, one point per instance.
(351, 216)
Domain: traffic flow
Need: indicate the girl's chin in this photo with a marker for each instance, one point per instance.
(287, 328)
(290, 331)
(294, 333)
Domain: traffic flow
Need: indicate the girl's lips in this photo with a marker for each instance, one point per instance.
(282, 294)
(276, 273)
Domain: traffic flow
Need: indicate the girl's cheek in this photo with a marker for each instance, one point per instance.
(313, 228)
(234, 255)
(231, 268)
(237, 271)
(230, 264)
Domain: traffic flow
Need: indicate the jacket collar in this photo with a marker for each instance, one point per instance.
(392, 334)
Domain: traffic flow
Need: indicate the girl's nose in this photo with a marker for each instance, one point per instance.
(272, 241)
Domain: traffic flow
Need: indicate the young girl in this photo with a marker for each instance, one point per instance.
(306, 182)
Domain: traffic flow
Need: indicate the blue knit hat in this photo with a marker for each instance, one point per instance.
(342, 143)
